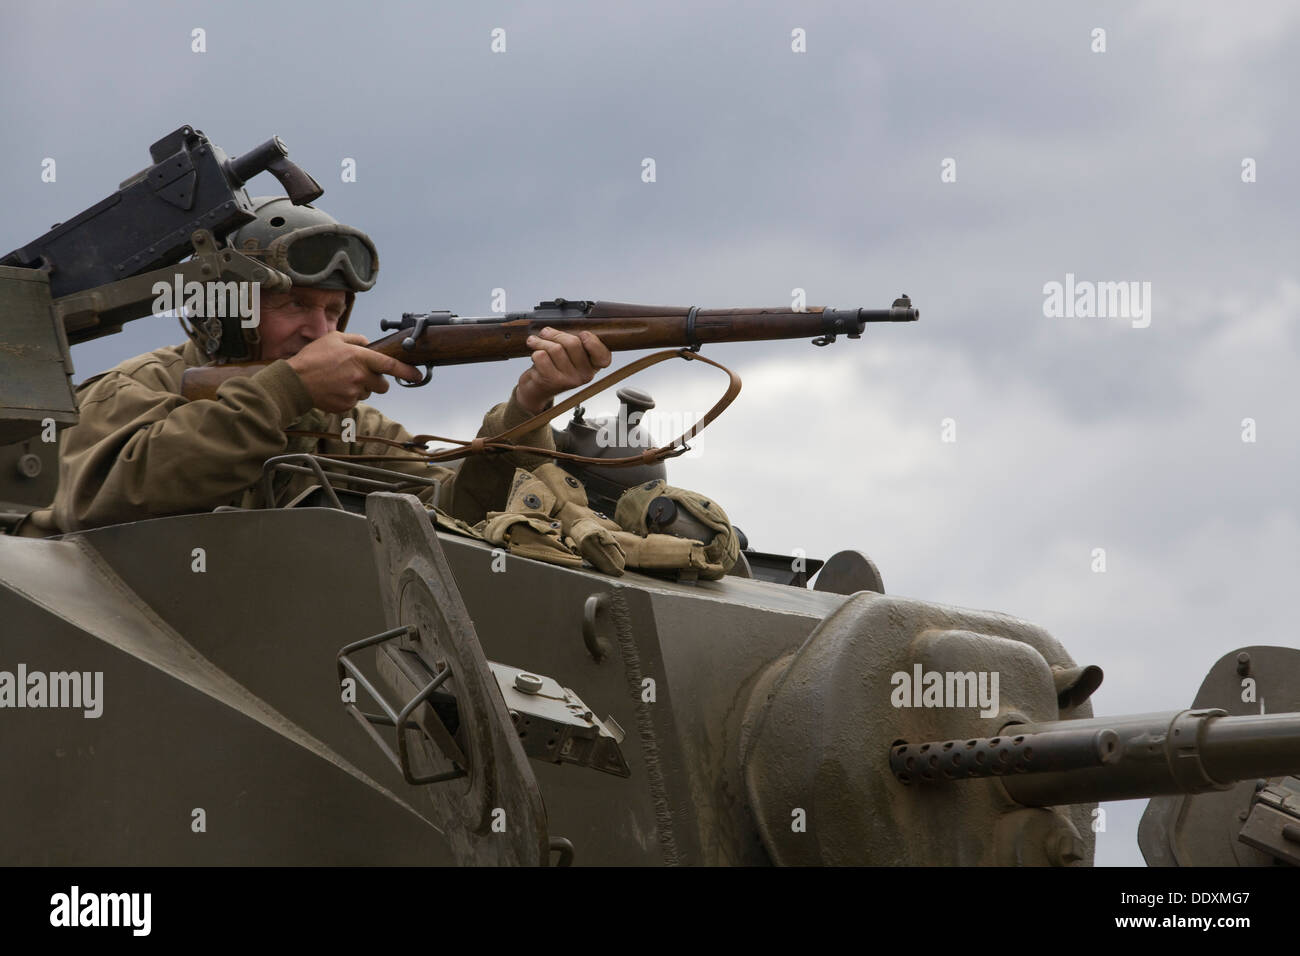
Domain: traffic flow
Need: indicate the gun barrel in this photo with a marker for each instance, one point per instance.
(1113, 758)
(896, 313)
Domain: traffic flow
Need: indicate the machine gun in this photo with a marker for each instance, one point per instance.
(1113, 758)
(149, 223)
(86, 277)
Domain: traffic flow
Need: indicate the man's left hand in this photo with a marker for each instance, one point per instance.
(561, 361)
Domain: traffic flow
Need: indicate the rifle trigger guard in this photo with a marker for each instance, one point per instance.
(428, 374)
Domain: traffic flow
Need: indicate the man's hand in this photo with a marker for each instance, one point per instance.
(561, 361)
(339, 372)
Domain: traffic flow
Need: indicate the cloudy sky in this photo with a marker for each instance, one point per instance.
(820, 170)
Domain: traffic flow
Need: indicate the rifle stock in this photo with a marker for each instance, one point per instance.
(442, 338)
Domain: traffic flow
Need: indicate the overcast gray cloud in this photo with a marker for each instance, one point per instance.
(819, 171)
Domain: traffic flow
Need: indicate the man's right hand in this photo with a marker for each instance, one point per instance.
(338, 371)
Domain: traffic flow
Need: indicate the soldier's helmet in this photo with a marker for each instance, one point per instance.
(310, 246)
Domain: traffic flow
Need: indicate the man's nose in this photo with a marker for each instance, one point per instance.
(315, 323)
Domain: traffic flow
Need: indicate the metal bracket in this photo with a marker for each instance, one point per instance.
(362, 478)
(564, 847)
(395, 718)
(99, 311)
(1273, 825)
(556, 726)
(833, 326)
(691, 340)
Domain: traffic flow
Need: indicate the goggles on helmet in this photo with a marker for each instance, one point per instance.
(327, 256)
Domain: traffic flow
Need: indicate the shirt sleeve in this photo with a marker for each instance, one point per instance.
(141, 450)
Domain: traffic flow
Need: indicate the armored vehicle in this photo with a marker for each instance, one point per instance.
(337, 680)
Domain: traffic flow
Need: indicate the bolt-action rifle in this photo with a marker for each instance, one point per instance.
(443, 338)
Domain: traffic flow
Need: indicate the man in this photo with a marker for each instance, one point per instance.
(141, 450)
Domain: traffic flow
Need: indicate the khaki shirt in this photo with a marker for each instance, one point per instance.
(143, 451)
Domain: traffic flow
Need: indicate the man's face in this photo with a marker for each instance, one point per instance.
(291, 320)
